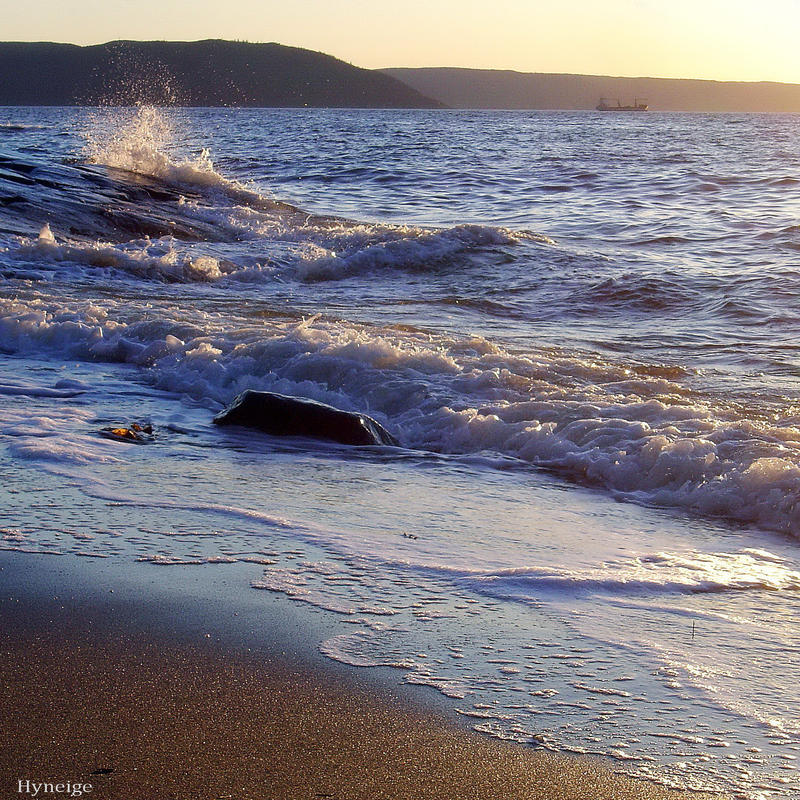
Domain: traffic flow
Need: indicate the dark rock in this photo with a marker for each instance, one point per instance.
(280, 415)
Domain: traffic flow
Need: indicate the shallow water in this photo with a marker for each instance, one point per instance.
(579, 326)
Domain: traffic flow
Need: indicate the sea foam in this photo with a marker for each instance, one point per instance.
(645, 438)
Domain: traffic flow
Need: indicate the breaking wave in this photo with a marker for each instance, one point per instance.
(141, 144)
(632, 430)
(174, 206)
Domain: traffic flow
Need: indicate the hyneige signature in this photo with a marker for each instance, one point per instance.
(68, 788)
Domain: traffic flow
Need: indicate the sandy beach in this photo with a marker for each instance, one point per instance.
(136, 700)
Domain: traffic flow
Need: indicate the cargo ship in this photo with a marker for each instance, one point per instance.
(637, 106)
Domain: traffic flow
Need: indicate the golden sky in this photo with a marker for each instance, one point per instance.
(718, 39)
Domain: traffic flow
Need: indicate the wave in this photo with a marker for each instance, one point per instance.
(663, 240)
(139, 145)
(642, 436)
(144, 258)
(638, 292)
(65, 388)
(419, 249)
(136, 203)
(302, 253)
(652, 574)
(21, 127)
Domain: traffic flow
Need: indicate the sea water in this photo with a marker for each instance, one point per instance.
(581, 328)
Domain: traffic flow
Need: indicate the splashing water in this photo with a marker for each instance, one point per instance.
(145, 143)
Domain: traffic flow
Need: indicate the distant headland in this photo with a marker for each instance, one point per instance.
(489, 88)
(216, 72)
(207, 73)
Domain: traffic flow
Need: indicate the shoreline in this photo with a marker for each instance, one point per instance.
(165, 693)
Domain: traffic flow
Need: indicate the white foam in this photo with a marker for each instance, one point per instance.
(649, 574)
(352, 649)
(660, 444)
(395, 248)
(365, 649)
(307, 250)
(296, 586)
(161, 259)
(63, 436)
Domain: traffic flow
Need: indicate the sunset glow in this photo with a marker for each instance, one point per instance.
(716, 39)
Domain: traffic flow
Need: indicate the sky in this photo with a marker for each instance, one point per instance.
(715, 39)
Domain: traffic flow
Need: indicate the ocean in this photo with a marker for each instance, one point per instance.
(580, 327)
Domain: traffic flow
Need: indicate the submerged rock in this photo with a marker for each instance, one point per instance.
(280, 415)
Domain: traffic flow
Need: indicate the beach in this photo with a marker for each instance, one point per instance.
(140, 700)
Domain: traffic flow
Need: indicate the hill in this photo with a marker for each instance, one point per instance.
(208, 73)
(483, 88)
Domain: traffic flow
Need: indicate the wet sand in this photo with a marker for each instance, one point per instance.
(120, 694)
